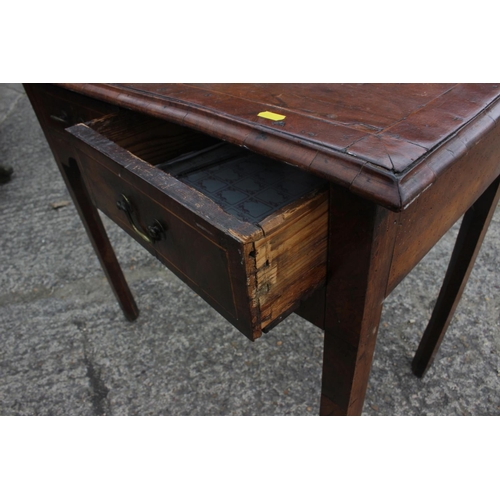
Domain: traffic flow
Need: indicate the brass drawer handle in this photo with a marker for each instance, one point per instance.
(155, 231)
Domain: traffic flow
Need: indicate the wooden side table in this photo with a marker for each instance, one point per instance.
(206, 178)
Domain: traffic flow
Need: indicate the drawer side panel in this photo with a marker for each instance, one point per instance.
(291, 258)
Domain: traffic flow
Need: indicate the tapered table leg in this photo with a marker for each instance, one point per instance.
(99, 239)
(63, 154)
(470, 237)
(361, 242)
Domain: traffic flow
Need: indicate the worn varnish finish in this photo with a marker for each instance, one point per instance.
(252, 274)
(472, 232)
(374, 139)
(404, 162)
(422, 224)
(362, 237)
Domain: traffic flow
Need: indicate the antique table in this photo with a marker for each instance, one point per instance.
(269, 199)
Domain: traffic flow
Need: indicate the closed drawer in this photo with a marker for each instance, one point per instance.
(247, 233)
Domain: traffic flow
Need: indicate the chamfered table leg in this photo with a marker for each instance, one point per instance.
(361, 242)
(470, 237)
(98, 237)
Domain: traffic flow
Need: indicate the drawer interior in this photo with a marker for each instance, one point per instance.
(154, 141)
(246, 232)
(244, 184)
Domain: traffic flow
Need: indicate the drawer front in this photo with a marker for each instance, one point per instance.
(253, 273)
(183, 247)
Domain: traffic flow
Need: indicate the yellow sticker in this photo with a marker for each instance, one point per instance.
(271, 116)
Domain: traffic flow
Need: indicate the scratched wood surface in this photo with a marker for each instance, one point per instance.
(254, 274)
(378, 140)
(291, 259)
(427, 152)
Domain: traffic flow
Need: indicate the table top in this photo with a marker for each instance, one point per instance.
(385, 142)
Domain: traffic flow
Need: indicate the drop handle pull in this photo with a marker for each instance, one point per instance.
(153, 233)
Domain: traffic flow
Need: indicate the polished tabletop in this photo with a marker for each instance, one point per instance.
(385, 142)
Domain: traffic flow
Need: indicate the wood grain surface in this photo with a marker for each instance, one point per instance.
(404, 162)
(379, 140)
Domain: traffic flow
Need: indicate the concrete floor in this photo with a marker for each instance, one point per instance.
(66, 349)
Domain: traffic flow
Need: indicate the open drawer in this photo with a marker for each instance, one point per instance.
(247, 233)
